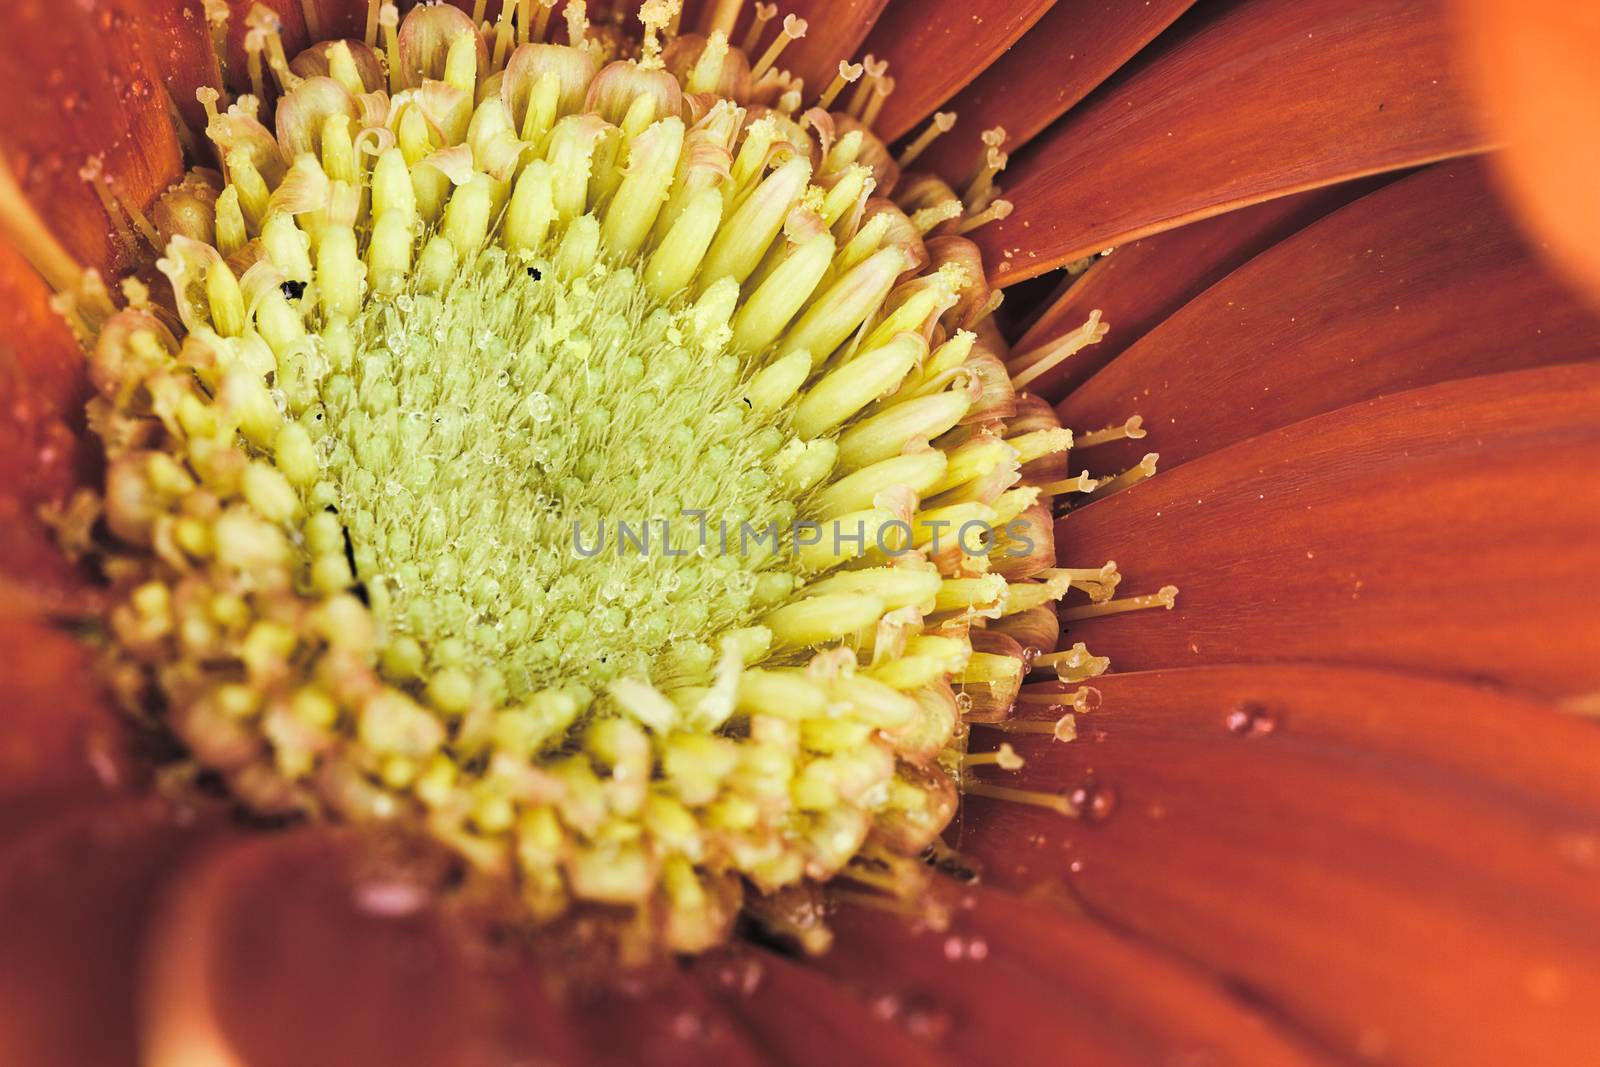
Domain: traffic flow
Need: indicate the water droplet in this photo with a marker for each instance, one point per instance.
(540, 409)
(690, 1025)
(887, 1006)
(1095, 802)
(920, 1017)
(1251, 720)
(965, 948)
(390, 900)
(739, 974)
(926, 1023)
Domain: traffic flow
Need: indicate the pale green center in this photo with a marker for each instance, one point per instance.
(487, 444)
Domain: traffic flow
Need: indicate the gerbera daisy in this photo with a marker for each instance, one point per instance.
(570, 532)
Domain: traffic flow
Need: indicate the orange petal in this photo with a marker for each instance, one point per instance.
(1423, 281)
(1448, 529)
(1074, 47)
(347, 19)
(1404, 867)
(81, 84)
(934, 47)
(1535, 67)
(179, 41)
(1265, 98)
(672, 1021)
(1016, 981)
(761, 990)
(320, 946)
(74, 894)
(56, 730)
(1139, 285)
(43, 452)
(59, 740)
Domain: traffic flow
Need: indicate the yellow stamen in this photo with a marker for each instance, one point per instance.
(541, 21)
(848, 72)
(503, 35)
(1166, 598)
(1030, 365)
(765, 13)
(1083, 483)
(1083, 699)
(1063, 729)
(313, 16)
(91, 174)
(722, 17)
(997, 210)
(1075, 664)
(1005, 757)
(577, 15)
(1131, 430)
(980, 189)
(1029, 797)
(793, 29)
(1145, 468)
(880, 93)
(876, 69)
(389, 19)
(28, 233)
(1098, 582)
(941, 123)
(925, 219)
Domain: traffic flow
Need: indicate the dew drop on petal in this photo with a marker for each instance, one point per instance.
(926, 1023)
(690, 1026)
(390, 899)
(1251, 720)
(1094, 801)
(741, 975)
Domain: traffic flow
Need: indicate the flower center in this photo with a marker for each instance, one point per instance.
(537, 473)
(587, 466)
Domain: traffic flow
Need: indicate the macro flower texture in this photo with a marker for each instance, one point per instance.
(833, 531)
